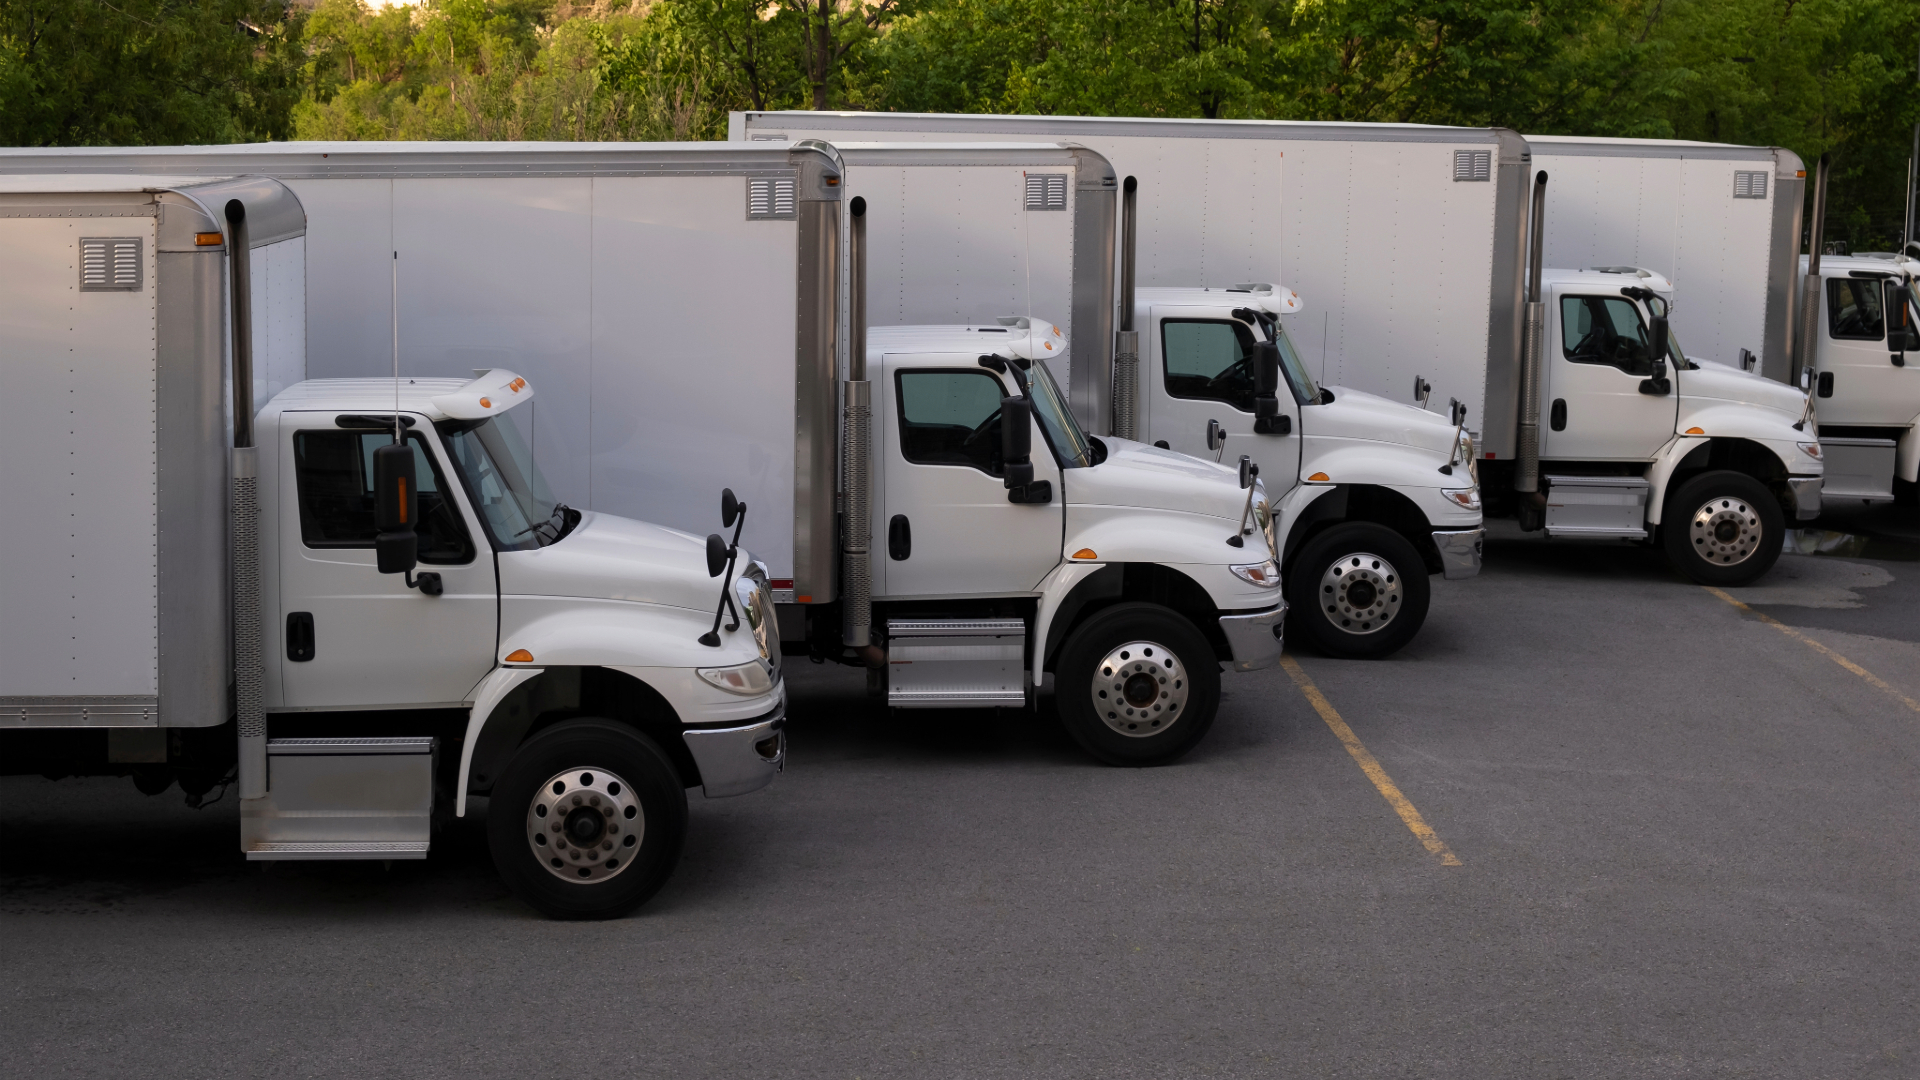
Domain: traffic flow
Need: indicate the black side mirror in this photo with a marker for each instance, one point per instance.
(1016, 441)
(1657, 348)
(1266, 390)
(396, 507)
(729, 509)
(716, 554)
(1826, 384)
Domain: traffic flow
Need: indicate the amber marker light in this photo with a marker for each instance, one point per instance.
(519, 656)
(1318, 478)
(207, 239)
(1695, 431)
(1086, 553)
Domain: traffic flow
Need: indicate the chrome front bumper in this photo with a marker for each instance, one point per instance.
(1806, 496)
(737, 760)
(1459, 551)
(1255, 638)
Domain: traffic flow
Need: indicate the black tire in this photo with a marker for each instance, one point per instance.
(1723, 528)
(1169, 669)
(1352, 562)
(603, 766)
(1905, 492)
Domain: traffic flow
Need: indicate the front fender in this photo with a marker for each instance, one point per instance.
(572, 632)
(1732, 420)
(1130, 534)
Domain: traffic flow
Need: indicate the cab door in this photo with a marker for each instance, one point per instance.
(946, 528)
(1200, 367)
(1856, 358)
(351, 636)
(1597, 355)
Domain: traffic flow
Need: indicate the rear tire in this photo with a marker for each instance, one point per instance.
(587, 821)
(1723, 528)
(1359, 590)
(1137, 684)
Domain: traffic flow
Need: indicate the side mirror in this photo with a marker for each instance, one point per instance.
(1216, 435)
(1249, 472)
(1806, 379)
(716, 554)
(396, 507)
(1266, 391)
(1016, 440)
(1657, 348)
(729, 509)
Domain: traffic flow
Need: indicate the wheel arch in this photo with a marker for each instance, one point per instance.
(1117, 583)
(1731, 454)
(524, 705)
(1363, 502)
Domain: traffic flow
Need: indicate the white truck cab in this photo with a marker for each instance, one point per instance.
(1121, 576)
(1866, 374)
(1640, 438)
(354, 600)
(1371, 495)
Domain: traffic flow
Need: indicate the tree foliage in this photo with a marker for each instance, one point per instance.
(1816, 76)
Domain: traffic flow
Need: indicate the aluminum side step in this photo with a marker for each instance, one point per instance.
(1597, 507)
(321, 849)
(956, 663)
(351, 798)
(1857, 468)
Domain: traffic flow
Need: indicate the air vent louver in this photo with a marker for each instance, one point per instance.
(770, 199)
(1749, 185)
(1472, 165)
(110, 264)
(1046, 191)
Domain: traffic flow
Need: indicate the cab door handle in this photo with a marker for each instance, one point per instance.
(899, 538)
(1557, 417)
(299, 636)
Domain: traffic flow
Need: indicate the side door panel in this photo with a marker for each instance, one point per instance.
(1854, 350)
(376, 642)
(1597, 355)
(1199, 369)
(938, 440)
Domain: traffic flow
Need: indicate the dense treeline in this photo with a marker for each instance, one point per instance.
(1813, 75)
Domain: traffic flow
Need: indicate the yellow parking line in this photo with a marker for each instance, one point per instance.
(1819, 648)
(1388, 789)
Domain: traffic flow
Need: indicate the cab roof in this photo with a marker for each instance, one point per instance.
(364, 396)
(1611, 278)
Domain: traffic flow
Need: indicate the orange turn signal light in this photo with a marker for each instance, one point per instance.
(1695, 431)
(207, 239)
(519, 656)
(486, 403)
(1085, 553)
(1318, 478)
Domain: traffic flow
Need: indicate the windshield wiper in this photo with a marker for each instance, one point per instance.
(560, 529)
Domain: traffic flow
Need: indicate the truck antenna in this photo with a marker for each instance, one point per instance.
(396, 346)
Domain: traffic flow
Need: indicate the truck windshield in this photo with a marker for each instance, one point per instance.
(496, 464)
(1305, 391)
(1069, 442)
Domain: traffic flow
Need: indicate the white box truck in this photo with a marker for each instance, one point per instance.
(687, 302)
(358, 600)
(1413, 242)
(1355, 477)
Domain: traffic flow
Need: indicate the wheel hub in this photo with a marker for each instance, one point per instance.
(1140, 689)
(1725, 531)
(585, 825)
(1360, 594)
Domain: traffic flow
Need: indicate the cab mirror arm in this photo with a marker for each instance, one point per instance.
(733, 512)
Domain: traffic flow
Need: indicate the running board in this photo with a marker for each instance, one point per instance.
(353, 798)
(1597, 507)
(1857, 468)
(321, 849)
(956, 663)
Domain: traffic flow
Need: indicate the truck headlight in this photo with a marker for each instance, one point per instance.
(1264, 574)
(1264, 519)
(1467, 497)
(750, 679)
(1811, 449)
(756, 609)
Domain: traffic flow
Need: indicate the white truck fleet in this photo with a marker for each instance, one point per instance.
(1414, 242)
(1360, 483)
(698, 311)
(356, 600)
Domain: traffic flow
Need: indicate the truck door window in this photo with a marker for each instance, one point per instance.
(950, 418)
(1604, 330)
(335, 475)
(1208, 360)
(1853, 309)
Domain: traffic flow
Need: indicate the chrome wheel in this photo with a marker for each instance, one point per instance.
(584, 825)
(1140, 688)
(1725, 532)
(1361, 593)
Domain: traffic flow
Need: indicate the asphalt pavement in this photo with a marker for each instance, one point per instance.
(1683, 831)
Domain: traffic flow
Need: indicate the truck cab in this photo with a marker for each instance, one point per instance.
(1641, 437)
(1118, 577)
(1371, 496)
(1866, 375)
(569, 643)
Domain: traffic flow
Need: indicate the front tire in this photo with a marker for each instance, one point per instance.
(1723, 528)
(1137, 684)
(1359, 590)
(587, 821)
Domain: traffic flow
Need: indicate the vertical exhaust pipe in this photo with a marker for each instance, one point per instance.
(244, 534)
(1809, 344)
(1126, 340)
(1526, 474)
(1913, 176)
(856, 408)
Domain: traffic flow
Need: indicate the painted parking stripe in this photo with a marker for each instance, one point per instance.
(1371, 766)
(1819, 648)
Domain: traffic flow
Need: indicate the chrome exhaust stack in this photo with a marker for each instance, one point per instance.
(1809, 343)
(1526, 474)
(1126, 340)
(856, 405)
(244, 504)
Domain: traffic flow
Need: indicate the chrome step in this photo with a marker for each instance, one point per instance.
(342, 849)
(1857, 468)
(354, 798)
(1597, 507)
(956, 663)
